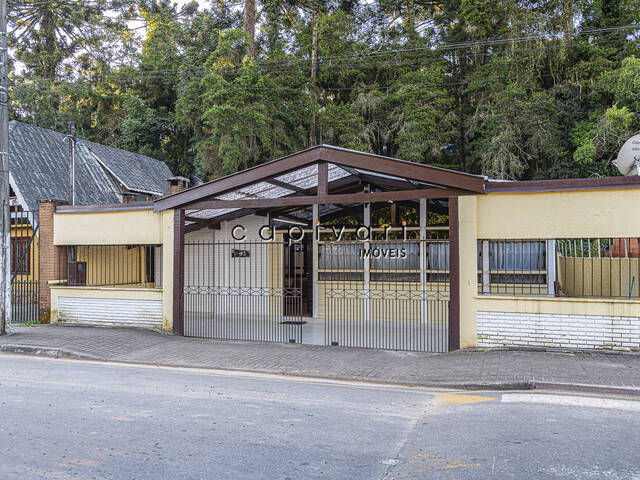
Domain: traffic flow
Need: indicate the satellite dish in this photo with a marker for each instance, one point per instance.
(628, 161)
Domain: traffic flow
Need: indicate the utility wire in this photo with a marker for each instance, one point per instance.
(235, 70)
(387, 88)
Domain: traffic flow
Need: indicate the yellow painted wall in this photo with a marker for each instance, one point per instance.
(114, 265)
(122, 227)
(468, 227)
(166, 221)
(557, 305)
(577, 214)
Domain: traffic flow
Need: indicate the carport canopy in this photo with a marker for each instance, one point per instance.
(335, 178)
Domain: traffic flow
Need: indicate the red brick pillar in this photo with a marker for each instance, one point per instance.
(52, 258)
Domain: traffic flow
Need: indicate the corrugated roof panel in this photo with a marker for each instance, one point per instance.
(306, 177)
(298, 175)
(209, 212)
(135, 171)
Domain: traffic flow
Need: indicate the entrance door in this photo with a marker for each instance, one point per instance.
(298, 278)
(25, 271)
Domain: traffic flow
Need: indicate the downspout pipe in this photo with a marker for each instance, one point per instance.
(71, 137)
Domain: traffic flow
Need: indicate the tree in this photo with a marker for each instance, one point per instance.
(512, 89)
(46, 34)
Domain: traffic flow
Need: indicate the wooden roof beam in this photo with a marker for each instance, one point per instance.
(288, 186)
(331, 199)
(335, 155)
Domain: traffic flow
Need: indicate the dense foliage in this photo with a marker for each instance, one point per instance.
(514, 89)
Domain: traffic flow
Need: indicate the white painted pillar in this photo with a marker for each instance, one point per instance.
(551, 267)
(423, 261)
(316, 221)
(486, 277)
(367, 261)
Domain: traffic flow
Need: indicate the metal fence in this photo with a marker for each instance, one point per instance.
(381, 294)
(111, 266)
(598, 267)
(25, 272)
(512, 267)
(577, 267)
(244, 291)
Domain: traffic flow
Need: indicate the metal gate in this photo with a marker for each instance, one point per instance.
(243, 291)
(379, 294)
(25, 271)
(386, 294)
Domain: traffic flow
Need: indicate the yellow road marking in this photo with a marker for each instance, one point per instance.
(459, 465)
(449, 399)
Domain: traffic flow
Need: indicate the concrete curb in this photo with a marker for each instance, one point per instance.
(47, 352)
(60, 352)
(523, 385)
(587, 388)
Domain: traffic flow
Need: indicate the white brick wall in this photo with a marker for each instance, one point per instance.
(497, 329)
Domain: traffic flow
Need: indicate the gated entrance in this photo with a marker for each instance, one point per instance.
(25, 272)
(402, 302)
(379, 294)
(242, 291)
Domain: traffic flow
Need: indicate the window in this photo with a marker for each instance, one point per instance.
(20, 255)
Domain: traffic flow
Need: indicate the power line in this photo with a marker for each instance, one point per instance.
(387, 88)
(235, 69)
(161, 74)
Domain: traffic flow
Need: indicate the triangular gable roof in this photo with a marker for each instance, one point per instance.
(344, 158)
(136, 172)
(39, 169)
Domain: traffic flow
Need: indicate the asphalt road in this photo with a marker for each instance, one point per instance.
(70, 419)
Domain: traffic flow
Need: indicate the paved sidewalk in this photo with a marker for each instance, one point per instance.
(509, 369)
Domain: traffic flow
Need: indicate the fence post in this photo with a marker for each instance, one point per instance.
(367, 261)
(423, 260)
(486, 265)
(315, 250)
(551, 267)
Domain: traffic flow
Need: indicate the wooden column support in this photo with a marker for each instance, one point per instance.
(454, 276)
(178, 272)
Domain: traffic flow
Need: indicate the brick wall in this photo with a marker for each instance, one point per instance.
(51, 257)
(177, 184)
(497, 329)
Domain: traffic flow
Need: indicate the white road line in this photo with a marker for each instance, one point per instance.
(571, 401)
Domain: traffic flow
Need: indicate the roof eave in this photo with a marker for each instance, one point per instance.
(320, 153)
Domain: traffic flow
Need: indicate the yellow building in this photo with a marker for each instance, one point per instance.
(337, 247)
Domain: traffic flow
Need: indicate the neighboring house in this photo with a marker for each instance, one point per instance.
(39, 169)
